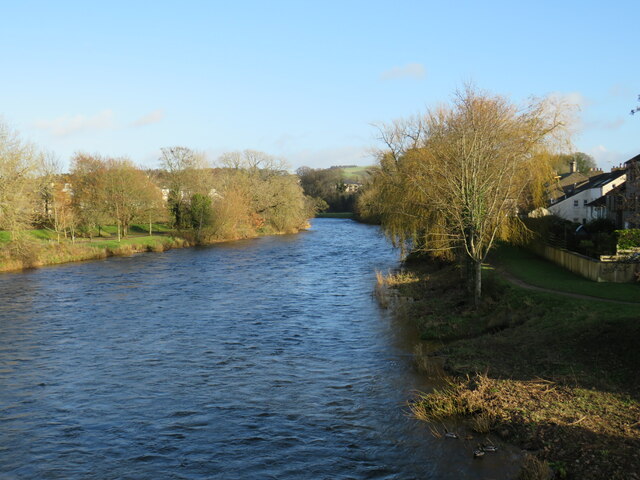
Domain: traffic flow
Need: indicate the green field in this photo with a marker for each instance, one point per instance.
(356, 174)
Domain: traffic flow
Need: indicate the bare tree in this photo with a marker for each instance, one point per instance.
(113, 189)
(452, 181)
(19, 164)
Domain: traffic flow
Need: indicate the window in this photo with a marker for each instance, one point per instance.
(584, 202)
(575, 203)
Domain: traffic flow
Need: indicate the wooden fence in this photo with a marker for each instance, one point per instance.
(596, 270)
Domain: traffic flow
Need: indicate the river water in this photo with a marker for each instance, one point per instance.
(258, 359)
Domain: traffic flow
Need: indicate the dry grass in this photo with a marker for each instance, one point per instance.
(587, 433)
(535, 469)
(389, 287)
(581, 420)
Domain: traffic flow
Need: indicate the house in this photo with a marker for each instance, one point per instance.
(567, 183)
(631, 208)
(351, 187)
(574, 205)
(609, 206)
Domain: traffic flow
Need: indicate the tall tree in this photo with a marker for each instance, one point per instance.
(127, 192)
(19, 164)
(452, 181)
(87, 176)
(114, 190)
(187, 173)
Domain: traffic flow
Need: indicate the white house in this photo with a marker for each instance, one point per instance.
(575, 207)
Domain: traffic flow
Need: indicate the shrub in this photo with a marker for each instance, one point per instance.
(628, 238)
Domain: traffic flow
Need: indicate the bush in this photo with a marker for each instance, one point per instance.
(628, 238)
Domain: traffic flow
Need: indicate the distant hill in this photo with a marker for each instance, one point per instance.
(356, 174)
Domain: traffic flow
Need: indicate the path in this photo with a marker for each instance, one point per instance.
(521, 283)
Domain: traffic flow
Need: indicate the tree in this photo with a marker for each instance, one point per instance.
(127, 193)
(256, 193)
(187, 174)
(114, 190)
(326, 185)
(200, 213)
(452, 181)
(87, 176)
(56, 195)
(562, 163)
(19, 164)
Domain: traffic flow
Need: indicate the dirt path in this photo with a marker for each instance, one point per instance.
(521, 283)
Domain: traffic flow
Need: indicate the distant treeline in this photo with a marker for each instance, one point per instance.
(331, 189)
(244, 194)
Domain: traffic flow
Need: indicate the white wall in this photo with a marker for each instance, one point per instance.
(578, 213)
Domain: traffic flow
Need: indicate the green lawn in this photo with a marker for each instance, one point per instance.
(114, 244)
(39, 234)
(540, 272)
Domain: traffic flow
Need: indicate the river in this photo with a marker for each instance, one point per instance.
(258, 359)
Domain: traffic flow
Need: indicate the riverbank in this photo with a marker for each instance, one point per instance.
(41, 250)
(554, 374)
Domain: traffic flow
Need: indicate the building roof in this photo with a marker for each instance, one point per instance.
(600, 181)
(602, 201)
(573, 178)
(634, 159)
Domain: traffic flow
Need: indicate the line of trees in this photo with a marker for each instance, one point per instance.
(328, 188)
(452, 181)
(244, 194)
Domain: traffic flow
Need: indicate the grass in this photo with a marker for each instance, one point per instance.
(554, 374)
(540, 272)
(148, 241)
(44, 249)
(356, 173)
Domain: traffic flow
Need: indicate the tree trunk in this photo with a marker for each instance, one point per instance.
(477, 290)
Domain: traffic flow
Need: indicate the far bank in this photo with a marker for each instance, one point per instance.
(40, 248)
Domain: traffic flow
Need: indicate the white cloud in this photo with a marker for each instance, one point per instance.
(67, 125)
(150, 118)
(410, 70)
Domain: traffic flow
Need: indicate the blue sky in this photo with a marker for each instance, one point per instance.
(303, 80)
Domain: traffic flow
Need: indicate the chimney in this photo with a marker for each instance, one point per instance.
(573, 166)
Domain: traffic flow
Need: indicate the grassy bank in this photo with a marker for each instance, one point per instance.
(38, 253)
(555, 374)
(41, 247)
